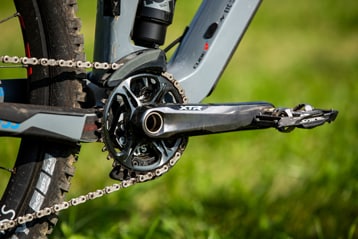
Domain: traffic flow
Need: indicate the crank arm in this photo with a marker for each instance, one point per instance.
(199, 119)
(18, 120)
(189, 120)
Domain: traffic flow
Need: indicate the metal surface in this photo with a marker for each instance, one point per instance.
(148, 60)
(18, 120)
(302, 116)
(113, 34)
(200, 60)
(202, 55)
(189, 120)
(125, 143)
(25, 61)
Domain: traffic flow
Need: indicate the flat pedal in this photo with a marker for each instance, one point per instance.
(302, 116)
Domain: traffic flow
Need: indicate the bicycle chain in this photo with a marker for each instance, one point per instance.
(143, 177)
(9, 224)
(33, 61)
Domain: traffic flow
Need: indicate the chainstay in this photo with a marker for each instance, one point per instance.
(10, 224)
(33, 61)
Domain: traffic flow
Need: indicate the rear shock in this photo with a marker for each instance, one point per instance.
(152, 19)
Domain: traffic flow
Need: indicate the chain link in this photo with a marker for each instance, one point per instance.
(33, 61)
(140, 178)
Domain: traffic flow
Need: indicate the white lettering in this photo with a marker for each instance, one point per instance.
(43, 183)
(191, 108)
(49, 164)
(6, 212)
(36, 201)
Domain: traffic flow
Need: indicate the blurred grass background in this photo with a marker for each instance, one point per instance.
(260, 184)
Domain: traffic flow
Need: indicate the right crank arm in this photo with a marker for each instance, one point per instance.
(174, 120)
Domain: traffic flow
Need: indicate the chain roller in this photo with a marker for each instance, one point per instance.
(32, 61)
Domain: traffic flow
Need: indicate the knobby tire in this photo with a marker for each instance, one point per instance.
(44, 167)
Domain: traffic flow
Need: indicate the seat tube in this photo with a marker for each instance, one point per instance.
(113, 32)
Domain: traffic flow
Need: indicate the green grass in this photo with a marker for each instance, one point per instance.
(260, 184)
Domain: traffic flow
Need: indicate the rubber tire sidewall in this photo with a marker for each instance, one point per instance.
(44, 168)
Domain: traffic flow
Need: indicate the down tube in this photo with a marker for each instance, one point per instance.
(209, 44)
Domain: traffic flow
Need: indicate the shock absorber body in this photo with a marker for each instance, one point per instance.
(152, 19)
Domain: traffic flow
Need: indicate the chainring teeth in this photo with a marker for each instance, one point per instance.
(136, 155)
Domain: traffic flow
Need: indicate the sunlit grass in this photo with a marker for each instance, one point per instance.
(252, 184)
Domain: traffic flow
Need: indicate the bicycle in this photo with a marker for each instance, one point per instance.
(140, 105)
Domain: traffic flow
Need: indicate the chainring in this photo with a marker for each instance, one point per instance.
(134, 153)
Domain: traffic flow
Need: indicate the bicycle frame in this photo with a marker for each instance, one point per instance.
(199, 60)
(197, 64)
(146, 116)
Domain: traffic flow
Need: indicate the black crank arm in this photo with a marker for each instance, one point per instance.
(18, 120)
(188, 120)
(199, 119)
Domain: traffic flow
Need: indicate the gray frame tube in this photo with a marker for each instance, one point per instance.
(113, 34)
(201, 58)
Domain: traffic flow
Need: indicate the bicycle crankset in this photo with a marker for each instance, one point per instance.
(135, 153)
(147, 121)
